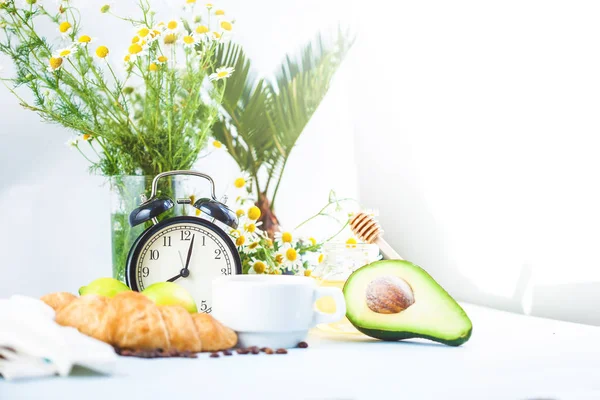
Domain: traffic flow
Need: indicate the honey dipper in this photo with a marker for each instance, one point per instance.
(366, 228)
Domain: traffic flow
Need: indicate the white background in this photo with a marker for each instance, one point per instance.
(470, 125)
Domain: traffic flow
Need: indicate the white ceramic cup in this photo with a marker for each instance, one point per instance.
(272, 310)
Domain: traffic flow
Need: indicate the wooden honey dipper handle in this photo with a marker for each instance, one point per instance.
(368, 230)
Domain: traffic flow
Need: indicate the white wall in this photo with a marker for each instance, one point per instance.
(478, 141)
(54, 216)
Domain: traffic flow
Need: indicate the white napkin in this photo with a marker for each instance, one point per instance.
(33, 345)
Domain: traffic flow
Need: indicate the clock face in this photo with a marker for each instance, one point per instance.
(186, 250)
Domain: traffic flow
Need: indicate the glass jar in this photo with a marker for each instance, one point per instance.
(340, 261)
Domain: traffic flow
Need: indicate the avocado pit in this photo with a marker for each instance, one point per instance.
(389, 294)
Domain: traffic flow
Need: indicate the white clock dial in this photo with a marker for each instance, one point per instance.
(191, 255)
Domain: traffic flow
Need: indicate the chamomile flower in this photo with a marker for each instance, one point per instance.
(64, 53)
(241, 181)
(258, 267)
(291, 259)
(219, 12)
(188, 41)
(226, 25)
(201, 32)
(135, 50)
(65, 28)
(153, 67)
(173, 26)
(217, 145)
(55, 63)
(250, 230)
(102, 52)
(285, 239)
(74, 142)
(240, 241)
(162, 60)
(84, 40)
(86, 137)
(221, 73)
(351, 243)
(209, 5)
(170, 39)
(254, 213)
(216, 36)
(144, 34)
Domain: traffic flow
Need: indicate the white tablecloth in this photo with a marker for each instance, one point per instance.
(508, 357)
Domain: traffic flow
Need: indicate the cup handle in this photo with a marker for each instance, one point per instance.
(340, 305)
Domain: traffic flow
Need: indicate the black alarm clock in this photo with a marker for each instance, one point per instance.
(188, 250)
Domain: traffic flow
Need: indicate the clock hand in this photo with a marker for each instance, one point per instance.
(189, 255)
(173, 279)
(181, 259)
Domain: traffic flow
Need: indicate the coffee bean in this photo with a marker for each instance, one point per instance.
(303, 345)
(214, 355)
(243, 351)
(227, 353)
(268, 350)
(281, 351)
(255, 350)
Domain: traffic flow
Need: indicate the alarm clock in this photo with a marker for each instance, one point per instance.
(188, 250)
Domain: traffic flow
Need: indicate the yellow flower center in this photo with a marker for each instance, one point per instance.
(102, 51)
(55, 62)
(254, 213)
(172, 25)
(250, 228)
(219, 12)
(279, 258)
(253, 245)
(155, 33)
(87, 137)
(240, 241)
(209, 5)
(64, 27)
(85, 39)
(153, 67)
(127, 58)
(191, 1)
(291, 254)
(351, 241)
(135, 39)
(65, 53)
(312, 241)
(321, 258)
(239, 183)
(188, 40)
(226, 25)
(162, 59)
(269, 243)
(286, 237)
(143, 32)
(222, 74)
(259, 267)
(135, 49)
(218, 145)
(202, 29)
(240, 212)
(217, 35)
(307, 272)
(170, 38)
(235, 233)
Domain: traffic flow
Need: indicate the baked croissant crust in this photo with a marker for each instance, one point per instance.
(130, 320)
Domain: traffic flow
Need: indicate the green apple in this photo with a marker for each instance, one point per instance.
(107, 287)
(169, 294)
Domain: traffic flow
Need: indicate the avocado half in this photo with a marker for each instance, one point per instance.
(396, 300)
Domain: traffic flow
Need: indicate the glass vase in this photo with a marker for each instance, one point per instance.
(127, 193)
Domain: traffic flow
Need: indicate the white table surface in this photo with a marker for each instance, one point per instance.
(508, 357)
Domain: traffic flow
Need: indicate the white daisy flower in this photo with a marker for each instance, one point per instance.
(285, 239)
(221, 73)
(55, 63)
(251, 229)
(169, 39)
(84, 40)
(65, 28)
(162, 59)
(257, 267)
(241, 181)
(226, 25)
(64, 53)
(173, 26)
(72, 142)
(188, 41)
(291, 260)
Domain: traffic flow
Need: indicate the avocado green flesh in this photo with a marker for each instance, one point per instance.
(435, 315)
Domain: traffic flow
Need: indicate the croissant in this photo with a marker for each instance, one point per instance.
(132, 321)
